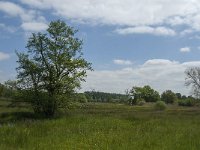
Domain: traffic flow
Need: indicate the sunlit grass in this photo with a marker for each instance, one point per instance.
(105, 126)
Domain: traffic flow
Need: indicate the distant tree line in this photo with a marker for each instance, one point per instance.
(95, 96)
(9, 90)
(141, 95)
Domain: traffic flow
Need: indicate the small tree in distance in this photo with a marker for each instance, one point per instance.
(168, 97)
(144, 93)
(52, 68)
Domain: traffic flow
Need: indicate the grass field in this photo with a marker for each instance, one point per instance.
(101, 127)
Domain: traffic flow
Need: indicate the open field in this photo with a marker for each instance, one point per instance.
(102, 126)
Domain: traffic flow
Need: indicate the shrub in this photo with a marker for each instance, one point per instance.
(74, 105)
(168, 97)
(160, 105)
(81, 98)
(186, 102)
(141, 102)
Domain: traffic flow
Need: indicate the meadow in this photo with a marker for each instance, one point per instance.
(99, 126)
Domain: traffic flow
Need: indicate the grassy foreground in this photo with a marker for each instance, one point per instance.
(102, 127)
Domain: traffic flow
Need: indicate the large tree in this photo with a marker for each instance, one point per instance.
(53, 67)
(193, 79)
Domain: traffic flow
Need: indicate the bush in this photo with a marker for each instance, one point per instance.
(186, 102)
(160, 105)
(141, 102)
(74, 105)
(168, 97)
(81, 98)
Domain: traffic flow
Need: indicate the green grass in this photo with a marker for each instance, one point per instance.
(102, 127)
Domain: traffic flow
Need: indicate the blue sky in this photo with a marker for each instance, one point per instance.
(129, 42)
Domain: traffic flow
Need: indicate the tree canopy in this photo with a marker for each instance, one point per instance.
(168, 96)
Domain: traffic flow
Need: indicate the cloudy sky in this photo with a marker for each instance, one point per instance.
(129, 42)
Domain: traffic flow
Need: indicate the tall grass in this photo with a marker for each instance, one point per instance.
(106, 126)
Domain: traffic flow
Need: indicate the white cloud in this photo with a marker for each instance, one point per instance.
(159, 31)
(122, 62)
(185, 49)
(186, 31)
(159, 62)
(129, 13)
(31, 19)
(7, 28)
(15, 10)
(34, 26)
(161, 74)
(123, 12)
(4, 56)
(11, 8)
(38, 3)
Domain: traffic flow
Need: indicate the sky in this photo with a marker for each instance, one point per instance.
(129, 42)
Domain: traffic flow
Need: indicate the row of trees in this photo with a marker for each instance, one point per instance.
(147, 94)
(9, 90)
(95, 96)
